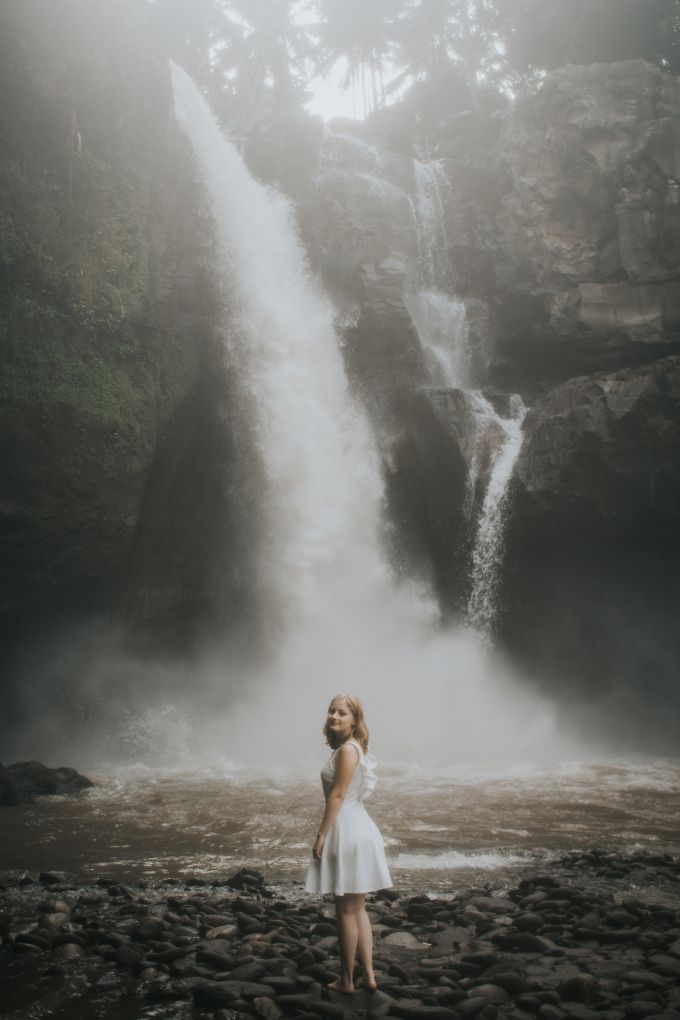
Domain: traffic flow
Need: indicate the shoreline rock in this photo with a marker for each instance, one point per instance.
(10, 793)
(550, 948)
(29, 779)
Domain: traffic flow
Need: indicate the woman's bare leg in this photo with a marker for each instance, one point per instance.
(365, 946)
(347, 911)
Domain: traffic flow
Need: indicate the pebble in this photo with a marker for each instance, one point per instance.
(403, 938)
(548, 950)
(68, 951)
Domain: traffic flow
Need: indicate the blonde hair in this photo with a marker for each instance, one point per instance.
(359, 730)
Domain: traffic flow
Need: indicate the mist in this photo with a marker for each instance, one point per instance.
(330, 385)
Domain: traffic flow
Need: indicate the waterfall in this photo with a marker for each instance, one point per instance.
(487, 553)
(430, 181)
(324, 491)
(342, 621)
(441, 324)
(350, 166)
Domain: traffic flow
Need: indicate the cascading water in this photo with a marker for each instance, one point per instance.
(440, 322)
(487, 553)
(430, 181)
(350, 165)
(323, 479)
(342, 621)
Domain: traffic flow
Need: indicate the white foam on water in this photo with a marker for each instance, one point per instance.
(452, 860)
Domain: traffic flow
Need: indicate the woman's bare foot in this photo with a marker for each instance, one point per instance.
(369, 982)
(340, 986)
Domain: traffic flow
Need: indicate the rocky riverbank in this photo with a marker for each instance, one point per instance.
(595, 935)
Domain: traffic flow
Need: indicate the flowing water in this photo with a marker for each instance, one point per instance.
(339, 619)
(441, 323)
(437, 701)
(431, 182)
(445, 829)
(487, 553)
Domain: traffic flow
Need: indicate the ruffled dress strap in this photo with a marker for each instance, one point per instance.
(367, 764)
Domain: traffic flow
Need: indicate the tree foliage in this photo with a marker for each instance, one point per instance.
(549, 33)
(257, 56)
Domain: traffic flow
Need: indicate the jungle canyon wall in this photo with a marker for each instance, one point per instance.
(562, 238)
(129, 478)
(118, 455)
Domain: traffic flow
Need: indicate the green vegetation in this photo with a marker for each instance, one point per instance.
(80, 291)
(108, 308)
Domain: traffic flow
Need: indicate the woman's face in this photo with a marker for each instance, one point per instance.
(340, 719)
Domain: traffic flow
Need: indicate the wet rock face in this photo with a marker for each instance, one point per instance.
(563, 240)
(591, 579)
(572, 226)
(608, 442)
(112, 341)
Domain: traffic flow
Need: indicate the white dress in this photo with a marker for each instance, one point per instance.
(353, 855)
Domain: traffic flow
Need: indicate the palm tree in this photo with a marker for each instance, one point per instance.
(426, 35)
(261, 59)
(188, 32)
(549, 33)
(361, 33)
(435, 33)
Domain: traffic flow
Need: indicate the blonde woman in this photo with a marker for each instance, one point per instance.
(348, 852)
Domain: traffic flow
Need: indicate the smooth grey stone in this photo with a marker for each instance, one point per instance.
(469, 1008)
(529, 921)
(669, 966)
(492, 993)
(419, 1011)
(68, 951)
(582, 988)
(550, 1012)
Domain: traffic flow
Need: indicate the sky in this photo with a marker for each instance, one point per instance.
(328, 99)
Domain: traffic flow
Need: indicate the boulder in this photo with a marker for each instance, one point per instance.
(36, 779)
(10, 792)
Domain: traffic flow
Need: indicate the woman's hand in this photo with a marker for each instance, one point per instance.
(318, 847)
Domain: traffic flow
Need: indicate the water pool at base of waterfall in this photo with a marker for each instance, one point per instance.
(445, 830)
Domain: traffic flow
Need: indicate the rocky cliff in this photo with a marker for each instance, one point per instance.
(545, 236)
(561, 239)
(112, 403)
(566, 214)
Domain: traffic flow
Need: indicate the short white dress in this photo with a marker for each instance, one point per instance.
(353, 855)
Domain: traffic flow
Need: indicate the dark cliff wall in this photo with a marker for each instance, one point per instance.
(591, 580)
(110, 347)
(565, 217)
(127, 488)
(565, 223)
(563, 239)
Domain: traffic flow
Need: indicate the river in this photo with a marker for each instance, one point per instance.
(445, 830)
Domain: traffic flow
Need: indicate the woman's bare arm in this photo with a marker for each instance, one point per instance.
(346, 761)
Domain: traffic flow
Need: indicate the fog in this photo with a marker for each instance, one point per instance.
(336, 619)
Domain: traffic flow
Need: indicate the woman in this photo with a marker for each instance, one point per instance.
(348, 853)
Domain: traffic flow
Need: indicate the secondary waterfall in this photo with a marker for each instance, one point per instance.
(430, 179)
(342, 623)
(487, 553)
(440, 322)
